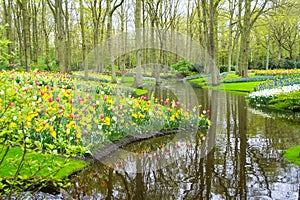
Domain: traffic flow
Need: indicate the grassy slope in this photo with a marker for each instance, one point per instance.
(292, 155)
(8, 167)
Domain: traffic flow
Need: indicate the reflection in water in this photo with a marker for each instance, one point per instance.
(240, 157)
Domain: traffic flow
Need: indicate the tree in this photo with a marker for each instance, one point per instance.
(98, 19)
(232, 7)
(247, 19)
(110, 10)
(212, 40)
(57, 11)
(83, 45)
(26, 37)
(7, 4)
(137, 21)
(284, 29)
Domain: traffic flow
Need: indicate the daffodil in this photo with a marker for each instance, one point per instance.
(52, 132)
(107, 121)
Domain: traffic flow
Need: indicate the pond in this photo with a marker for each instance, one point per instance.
(240, 157)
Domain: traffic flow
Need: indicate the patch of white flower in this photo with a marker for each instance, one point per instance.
(266, 92)
(274, 91)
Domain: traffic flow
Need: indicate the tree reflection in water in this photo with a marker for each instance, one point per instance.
(238, 158)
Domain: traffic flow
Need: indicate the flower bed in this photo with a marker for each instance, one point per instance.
(277, 72)
(58, 110)
(278, 82)
(285, 97)
(249, 79)
(56, 114)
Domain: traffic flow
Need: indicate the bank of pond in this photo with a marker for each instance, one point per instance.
(52, 125)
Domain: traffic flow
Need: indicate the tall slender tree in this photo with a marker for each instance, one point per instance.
(26, 32)
(137, 21)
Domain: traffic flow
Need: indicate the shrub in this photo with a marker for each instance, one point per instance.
(183, 66)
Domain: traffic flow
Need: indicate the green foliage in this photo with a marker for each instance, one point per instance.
(224, 68)
(183, 66)
(287, 101)
(275, 64)
(192, 77)
(4, 54)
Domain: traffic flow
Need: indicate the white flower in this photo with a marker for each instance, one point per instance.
(15, 118)
(53, 118)
(267, 93)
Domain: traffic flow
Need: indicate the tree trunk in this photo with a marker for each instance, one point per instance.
(212, 50)
(109, 34)
(279, 51)
(138, 77)
(46, 35)
(8, 29)
(230, 49)
(68, 39)
(124, 43)
(205, 35)
(60, 36)
(26, 43)
(35, 53)
(96, 8)
(245, 40)
(18, 23)
(83, 45)
(268, 50)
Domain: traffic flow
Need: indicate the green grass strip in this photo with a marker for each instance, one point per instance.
(239, 88)
(140, 92)
(37, 164)
(293, 155)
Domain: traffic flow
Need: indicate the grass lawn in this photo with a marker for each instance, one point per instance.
(37, 164)
(239, 88)
(128, 80)
(293, 155)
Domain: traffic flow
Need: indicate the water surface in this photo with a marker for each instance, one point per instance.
(239, 158)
